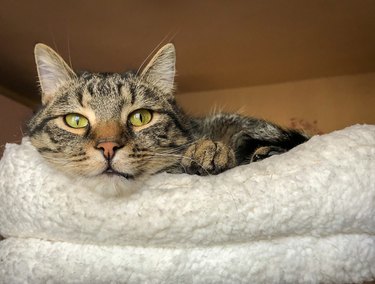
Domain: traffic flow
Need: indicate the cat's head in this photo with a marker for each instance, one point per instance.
(108, 126)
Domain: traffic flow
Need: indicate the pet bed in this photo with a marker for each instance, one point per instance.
(306, 216)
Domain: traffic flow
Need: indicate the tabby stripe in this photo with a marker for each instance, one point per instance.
(164, 144)
(132, 93)
(79, 154)
(53, 139)
(81, 159)
(79, 95)
(162, 136)
(49, 150)
(41, 125)
(119, 86)
(137, 149)
(177, 123)
(101, 87)
(90, 88)
(50, 131)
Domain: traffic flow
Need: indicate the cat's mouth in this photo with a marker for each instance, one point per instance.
(111, 172)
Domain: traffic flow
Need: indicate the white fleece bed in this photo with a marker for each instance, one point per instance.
(307, 216)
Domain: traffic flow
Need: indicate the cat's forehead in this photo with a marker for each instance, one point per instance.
(114, 88)
(100, 85)
(109, 94)
(102, 93)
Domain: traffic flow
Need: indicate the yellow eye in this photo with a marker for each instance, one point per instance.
(76, 120)
(140, 117)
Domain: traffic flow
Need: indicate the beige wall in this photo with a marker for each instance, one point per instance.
(13, 117)
(319, 105)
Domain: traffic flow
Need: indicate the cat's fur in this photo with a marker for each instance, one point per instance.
(172, 141)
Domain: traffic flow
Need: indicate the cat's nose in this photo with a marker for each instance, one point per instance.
(109, 149)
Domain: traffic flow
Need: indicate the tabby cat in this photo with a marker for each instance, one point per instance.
(112, 129)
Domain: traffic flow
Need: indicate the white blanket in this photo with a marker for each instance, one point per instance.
(306, 216)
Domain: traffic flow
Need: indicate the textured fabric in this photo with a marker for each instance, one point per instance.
(304, 216)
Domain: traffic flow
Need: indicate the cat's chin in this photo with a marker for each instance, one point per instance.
(109, 185)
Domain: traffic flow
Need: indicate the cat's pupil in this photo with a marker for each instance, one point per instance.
(76, 120)
(139, 117)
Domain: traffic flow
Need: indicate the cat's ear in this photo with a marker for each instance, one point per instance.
(160, 71)
(53, 71)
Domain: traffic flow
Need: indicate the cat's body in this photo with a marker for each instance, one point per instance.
(122, 127)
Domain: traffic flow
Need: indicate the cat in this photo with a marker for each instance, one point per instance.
(112, 129)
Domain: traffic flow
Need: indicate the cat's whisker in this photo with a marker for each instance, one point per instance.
(180, 158)
(178, 149)
(21, 130)
(174, 153)
(69, 55)
(17, 141)
(54, 41)
(151, 53)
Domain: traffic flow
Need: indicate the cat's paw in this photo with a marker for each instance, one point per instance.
(262, 153)
(206, 157)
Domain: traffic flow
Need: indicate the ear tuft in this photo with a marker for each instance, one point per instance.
(53, 72)
(161, 70)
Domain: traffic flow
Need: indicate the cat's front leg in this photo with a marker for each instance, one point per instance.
(206, 157)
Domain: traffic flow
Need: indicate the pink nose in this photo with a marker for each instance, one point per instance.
(108, 148)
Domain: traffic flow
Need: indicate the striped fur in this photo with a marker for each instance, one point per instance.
(172, 141)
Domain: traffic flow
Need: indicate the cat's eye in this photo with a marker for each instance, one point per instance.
(76, 120)
(140, 117)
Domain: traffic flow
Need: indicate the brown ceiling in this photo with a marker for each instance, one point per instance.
(220, 43)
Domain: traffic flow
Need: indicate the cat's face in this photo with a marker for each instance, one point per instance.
(108, 125)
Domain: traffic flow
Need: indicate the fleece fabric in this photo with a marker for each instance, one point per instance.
(306, 216)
